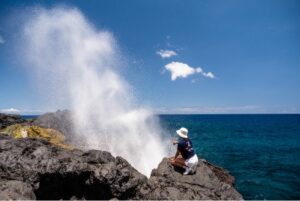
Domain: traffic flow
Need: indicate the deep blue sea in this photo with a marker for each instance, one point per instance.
(30, 116)
(262, 152)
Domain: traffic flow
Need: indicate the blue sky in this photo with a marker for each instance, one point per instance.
(228, 56)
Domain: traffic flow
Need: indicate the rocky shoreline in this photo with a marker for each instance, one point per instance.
(10, 119)
(34, 168)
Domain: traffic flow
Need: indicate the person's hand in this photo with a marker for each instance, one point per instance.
(172, 159)
(175, 142)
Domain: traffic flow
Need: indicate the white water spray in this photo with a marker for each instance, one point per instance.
(77, 65)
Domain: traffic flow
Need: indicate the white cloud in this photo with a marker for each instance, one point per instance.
(209, 74)
(25, 111)
(2, 40)
(179, 69)
(183, 70)
(10, 111)
(166, 53)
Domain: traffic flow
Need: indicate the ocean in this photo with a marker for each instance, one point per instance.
(262, 152)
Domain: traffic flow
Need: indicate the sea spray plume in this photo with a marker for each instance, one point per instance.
(74, 60)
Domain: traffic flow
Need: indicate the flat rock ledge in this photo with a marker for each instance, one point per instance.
(35, 169)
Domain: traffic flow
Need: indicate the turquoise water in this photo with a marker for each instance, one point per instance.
(262, 152)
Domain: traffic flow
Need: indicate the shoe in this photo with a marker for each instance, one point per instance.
(187, 171)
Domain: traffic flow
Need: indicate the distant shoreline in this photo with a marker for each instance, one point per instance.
(241, 114)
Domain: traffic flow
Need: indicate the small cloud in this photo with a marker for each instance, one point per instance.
(10, 111)
(179, 69)
(209, 75)
(183, 70)
(166, 53)
(2, 40)
(199, 70)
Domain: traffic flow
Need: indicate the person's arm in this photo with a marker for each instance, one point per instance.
(176, 155)
(179, 147)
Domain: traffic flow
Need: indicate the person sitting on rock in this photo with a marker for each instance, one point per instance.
(185, 156)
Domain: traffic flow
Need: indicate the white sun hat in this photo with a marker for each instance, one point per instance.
(182, 132)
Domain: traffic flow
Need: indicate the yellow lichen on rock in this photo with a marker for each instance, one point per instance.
(51, 135)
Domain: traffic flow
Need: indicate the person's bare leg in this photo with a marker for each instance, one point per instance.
(179, 162)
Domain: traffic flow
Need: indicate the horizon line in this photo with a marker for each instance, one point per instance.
(185, 114)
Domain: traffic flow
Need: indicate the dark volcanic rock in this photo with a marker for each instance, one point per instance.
(16, 190)
(49, 172)
(60, 120)
(222, 174)
(36, 169)
(10, 119)
(169, 183)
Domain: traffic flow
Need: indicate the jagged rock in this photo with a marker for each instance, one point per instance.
(10, 119)
(167, 182)
(33, 168)
(55, 173)
(222, 174)
(59, 120)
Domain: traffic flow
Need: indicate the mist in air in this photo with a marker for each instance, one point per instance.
(76, 65)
